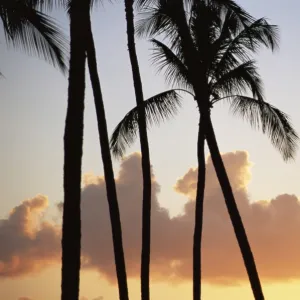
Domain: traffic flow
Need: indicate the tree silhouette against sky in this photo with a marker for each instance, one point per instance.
(209, 55)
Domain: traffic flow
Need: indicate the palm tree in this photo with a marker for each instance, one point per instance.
(210, 56)
(169, 102)
(80, 30)
(108, 167)
(142, 126)
(27, 28)
(79, 12)
(23, 23)
(73, 143)
(146, 166)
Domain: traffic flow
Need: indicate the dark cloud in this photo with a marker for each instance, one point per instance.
(272, 227)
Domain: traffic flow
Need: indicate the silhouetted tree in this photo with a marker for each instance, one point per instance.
(108, 167)
(209, 55)
(146, 166)
(80, 13)
(82, 45)
(73, 144)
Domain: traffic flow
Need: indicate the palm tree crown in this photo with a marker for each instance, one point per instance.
(223, 46)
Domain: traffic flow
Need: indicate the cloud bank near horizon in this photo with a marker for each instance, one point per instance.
(31, 244)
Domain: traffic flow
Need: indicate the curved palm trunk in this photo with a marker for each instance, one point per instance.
(108, 168)
(199, 211)
(234, 213)
(73, 141)
(146, 167)
(199, 90)
(198, 75)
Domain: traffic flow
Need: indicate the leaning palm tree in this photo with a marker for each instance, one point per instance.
(80, 13)
(82, 45)
(209, 55)
(107, 163)
(167, 97)
(146, 165)
(29, 29)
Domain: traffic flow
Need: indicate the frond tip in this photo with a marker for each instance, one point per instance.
(36, 33)
(159, 108)
(175, 71)
(275, 123)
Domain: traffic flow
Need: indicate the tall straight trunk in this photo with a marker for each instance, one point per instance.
(199, 211)
(234, 213)
(146, 167)
(197, 75)
(108, 168)
(73, 141)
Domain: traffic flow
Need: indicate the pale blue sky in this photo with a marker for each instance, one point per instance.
(33, 108)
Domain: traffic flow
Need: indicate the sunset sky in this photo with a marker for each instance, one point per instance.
(32, 115)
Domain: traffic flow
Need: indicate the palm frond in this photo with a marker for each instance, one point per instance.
(261, 33)
(238, 81)
(140, 4)
(205, 23)
(166, 17)
(249, 40)
(175, 71)
(230, 50)
(155, 19)
(36, 33)
(230, 5)
(157, 109)
(230, 27)
(273, 122)
(46, 5)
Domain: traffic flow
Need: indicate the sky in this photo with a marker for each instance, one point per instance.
(32, 115)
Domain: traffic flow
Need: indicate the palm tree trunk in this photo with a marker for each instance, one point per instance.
(146, 167)
(73, 141)
(234, 213)
(199, 211)
(108, 168)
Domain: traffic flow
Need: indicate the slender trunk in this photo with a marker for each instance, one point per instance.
(146, 167)
(108, 168)
(199, 75)
(234, 214)
(73, 141)
(199, 211)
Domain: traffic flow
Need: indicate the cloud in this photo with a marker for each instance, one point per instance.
(272, 227)
(28, 243)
